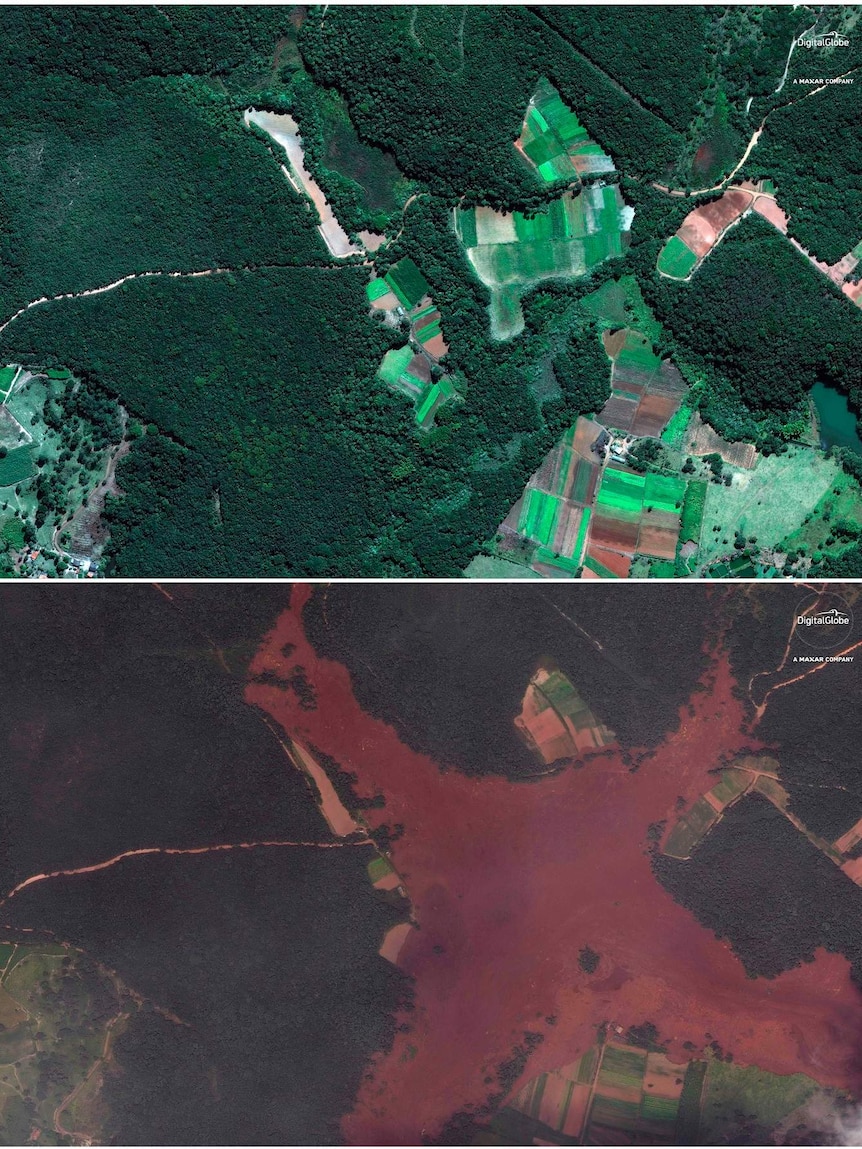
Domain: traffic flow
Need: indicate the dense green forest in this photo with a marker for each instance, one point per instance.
(756, 881)
(761, 326)
(811, 150)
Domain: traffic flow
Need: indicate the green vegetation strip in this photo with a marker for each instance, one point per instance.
(692, 511)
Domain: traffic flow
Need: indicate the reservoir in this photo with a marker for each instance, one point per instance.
(838, 425)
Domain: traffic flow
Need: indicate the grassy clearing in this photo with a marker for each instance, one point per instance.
(762, 1097)
(664, 493)
(767, 503)
(489, 566)
(674, 432)
(842, 503)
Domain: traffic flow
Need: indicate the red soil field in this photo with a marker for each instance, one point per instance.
(620, 565)
(769, 209)
(508, 881)
(724, 211)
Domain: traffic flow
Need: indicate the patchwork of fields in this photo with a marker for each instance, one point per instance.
(412, 369)
(620, 1094)
(554, 141)
(646, 391)
(556, 722)
(511, 252)
(615, 1094)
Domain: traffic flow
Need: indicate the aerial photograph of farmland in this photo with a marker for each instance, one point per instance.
(431, 864)
(401, 291)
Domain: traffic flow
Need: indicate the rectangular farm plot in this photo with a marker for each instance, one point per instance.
(539, 515)
(622, 1070)
(16, 466)
(621, 491)
(407, 281)
(664, 493)
(614, 533)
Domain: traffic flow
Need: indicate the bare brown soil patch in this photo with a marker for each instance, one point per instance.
(615, 534)
(653, 414)
(658, 542)
(394, 941)
(620, 413)
(767, 207)
(614, 341)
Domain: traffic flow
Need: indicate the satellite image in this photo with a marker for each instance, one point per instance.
(418, 864)
(528, 292)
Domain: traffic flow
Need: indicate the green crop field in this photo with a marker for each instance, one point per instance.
(688, 1118)
(732, 782)
(394, 365)
(664, 493)
(13, 533)
(659, 1108)
(675, 259)
(16, 466)
(407, 281)
(376, 289)
(614, 1112)
(621, 492)
(637, 354)
(538, 519)
(378, 868)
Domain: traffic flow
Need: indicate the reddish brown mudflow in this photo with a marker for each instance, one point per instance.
(509, 881)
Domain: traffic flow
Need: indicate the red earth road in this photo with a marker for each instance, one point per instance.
(509, 881)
